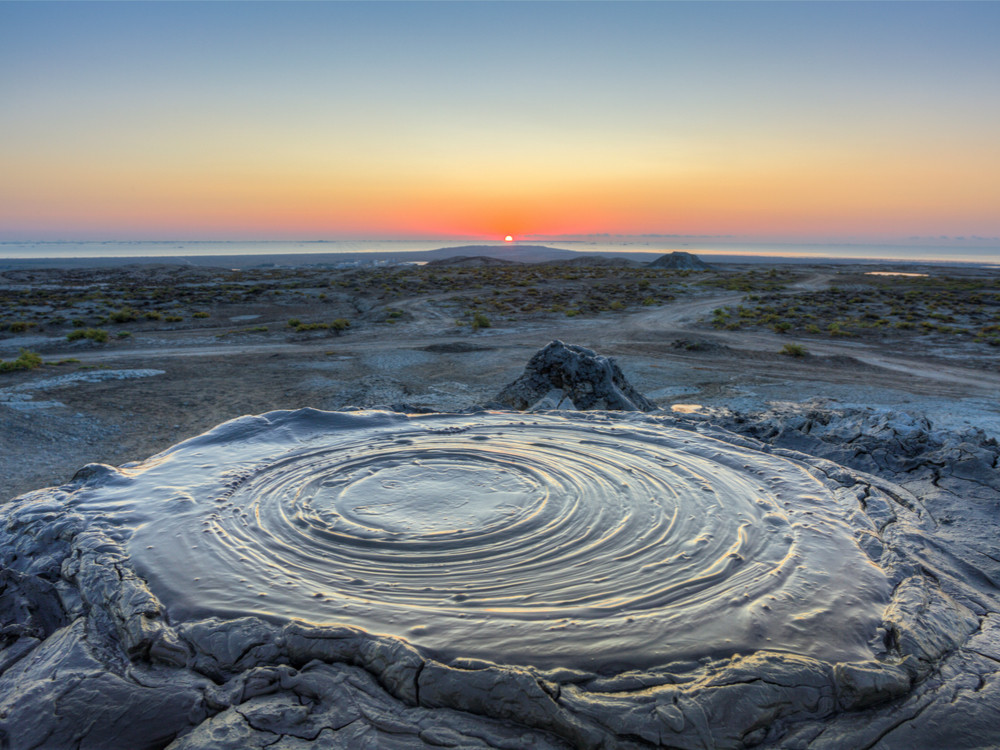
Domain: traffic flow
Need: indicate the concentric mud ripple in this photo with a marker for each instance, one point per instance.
(545, 540)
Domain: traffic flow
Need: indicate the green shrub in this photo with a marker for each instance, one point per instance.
(152, 315)
(26, 361)
(294, 322)
(480, 321)
(200, 315)
(20, 326)
(173, 318)
(124, 334)
(793, 350)
(94, 334)
(125, 315)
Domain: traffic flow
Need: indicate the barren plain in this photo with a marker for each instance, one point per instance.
(230, 342)
(796, 548)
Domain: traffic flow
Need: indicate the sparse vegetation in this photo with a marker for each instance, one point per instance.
(20, 326)
(94, 334)
(793, 350)
(751, 281)
(125, 315)
(876, 306)
(337, 326)
(27, 360)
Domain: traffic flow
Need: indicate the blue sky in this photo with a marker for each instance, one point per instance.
(284, 119)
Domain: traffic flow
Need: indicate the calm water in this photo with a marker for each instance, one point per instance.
(974, 252)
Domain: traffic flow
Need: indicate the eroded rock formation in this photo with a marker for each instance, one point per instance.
(571, 376)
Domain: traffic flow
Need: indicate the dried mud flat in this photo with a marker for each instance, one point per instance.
(896, 425)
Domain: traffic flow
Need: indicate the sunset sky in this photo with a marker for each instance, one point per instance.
(314, 120)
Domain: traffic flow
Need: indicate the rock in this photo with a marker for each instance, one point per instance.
(680, 261)
(554, 399)
(588, 379)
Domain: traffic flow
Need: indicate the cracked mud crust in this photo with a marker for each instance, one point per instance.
(76, 608)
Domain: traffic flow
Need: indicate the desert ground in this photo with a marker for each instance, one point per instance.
(825, 434)
(187, 348)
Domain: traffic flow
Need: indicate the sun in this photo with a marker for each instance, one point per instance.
(508, 238)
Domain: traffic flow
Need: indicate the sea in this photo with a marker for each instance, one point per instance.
(955, 250)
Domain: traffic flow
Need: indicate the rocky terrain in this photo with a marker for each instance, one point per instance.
(896, 425)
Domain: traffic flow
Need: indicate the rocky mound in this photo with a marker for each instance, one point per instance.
(570, 376)
(680, 261)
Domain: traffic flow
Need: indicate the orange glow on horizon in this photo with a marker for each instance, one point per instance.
(815, 196)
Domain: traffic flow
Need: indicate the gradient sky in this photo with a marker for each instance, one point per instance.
(342, 120)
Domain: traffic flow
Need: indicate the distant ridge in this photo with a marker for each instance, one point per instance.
(473, 260)
(514, 252)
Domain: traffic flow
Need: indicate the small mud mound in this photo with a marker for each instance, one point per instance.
(680, 261)
(589, 380)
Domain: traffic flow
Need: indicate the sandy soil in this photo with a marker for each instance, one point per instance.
(405, 350)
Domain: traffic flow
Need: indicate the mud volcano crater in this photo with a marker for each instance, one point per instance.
(548, 541)
(601, 580)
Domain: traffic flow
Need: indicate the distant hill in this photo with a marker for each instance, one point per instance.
(680, 261)
(517, 253)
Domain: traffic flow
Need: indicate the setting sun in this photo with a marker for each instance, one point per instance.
(508, 238)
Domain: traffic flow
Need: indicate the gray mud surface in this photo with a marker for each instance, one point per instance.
(898, 431)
